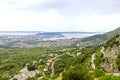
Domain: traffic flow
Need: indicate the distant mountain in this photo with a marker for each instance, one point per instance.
(78, 32)
(102, 37)
(49, 35)
(113, 33)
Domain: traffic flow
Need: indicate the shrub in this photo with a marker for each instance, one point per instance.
(77, 73)
(31, 67)
(118, 61)
(99, 72)
(109, 77)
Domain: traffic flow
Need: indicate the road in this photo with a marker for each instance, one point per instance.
(52, 69)
(92, 61)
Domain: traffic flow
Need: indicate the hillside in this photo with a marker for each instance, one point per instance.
(107, 56)
(102, 37)
(104, 63)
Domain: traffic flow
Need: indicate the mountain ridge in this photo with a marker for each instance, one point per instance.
(102, 37)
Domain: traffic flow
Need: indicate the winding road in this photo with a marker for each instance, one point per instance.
(52, 69)
(92, 61)
(93, 58)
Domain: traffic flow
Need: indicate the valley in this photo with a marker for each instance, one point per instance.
(61, 59)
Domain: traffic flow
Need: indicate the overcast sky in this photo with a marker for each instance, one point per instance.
(59, 15)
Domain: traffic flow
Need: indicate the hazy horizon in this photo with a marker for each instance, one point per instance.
(51, 31)
(59, 15)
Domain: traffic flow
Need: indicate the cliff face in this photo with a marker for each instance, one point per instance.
(108, 54)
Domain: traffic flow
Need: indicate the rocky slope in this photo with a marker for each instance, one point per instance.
(106, 57)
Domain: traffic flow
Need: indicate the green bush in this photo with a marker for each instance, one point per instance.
(45, 78)
(31, 67)
(99, 59)
(118, 61)
(4, 79)
(109, 77)
(77, 73)
(112, 42)
(99, 72)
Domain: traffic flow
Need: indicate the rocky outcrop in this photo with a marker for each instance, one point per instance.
(92, 61)
(110, 51)
(109, 59)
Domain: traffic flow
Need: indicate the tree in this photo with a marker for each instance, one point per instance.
(31, 67)
(79, 72)
(99, 72)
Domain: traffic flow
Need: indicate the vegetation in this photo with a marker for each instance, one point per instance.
(97, 38)
(78, 72)
(13, 60)
(112, 42)
(102, 37)
(99, 72)
(109, 77)
(66, 60)
(98, 59)
(118, 61)
(31, 67)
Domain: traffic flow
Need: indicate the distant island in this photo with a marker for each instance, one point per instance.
(50, 34)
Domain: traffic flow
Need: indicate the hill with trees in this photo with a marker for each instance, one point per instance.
(102, 37)
(106, 60)
(107, 57)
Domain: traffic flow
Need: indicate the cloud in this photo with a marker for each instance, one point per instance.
(4, 4)
(59, 15)
(18, 18)
(85, 6)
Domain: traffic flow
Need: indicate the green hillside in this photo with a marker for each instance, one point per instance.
(107, 56)
(102, 37)
(106, 60)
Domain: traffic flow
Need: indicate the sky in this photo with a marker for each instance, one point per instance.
(59, 15)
